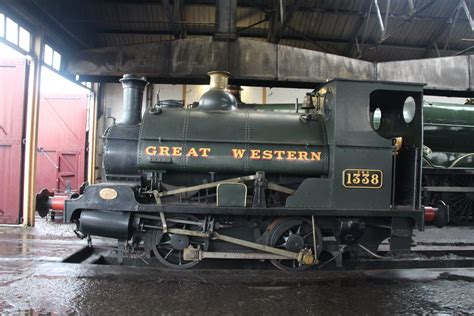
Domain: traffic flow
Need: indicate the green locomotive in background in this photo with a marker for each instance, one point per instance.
(448, 158)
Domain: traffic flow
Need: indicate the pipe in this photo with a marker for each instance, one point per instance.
(133, 87)
(226, 18)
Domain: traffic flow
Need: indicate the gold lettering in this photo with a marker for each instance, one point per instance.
(255, 154)
(302, 155)
(279, 154)
(267, 155)
(164, 151)
(192, 152)
(238, 153)
(150, 150)
(176, 151)
(204, 152)
(291, 155)
(316, 156)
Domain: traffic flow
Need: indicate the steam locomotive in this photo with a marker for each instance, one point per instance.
(448, 159)
(219, 182)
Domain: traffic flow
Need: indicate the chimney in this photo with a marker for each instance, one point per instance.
(133, 87)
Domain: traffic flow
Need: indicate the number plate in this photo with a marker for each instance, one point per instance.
(362, 178)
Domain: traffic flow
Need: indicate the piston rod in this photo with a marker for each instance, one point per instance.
(304, 256)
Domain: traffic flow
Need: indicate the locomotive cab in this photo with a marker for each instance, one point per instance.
(219, 182)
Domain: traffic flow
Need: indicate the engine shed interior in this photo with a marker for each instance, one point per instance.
(232, 143)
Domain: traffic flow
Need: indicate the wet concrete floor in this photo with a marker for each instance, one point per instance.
(34, 281)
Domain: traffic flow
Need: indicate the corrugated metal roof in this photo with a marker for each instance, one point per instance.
(323, 25)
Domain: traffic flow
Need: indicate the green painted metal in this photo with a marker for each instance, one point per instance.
(217, 100)
(278, 107)
(240, 142)
(449, 127)
(448, 132)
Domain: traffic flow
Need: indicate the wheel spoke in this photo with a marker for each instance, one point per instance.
(457, 200)
(468, 211)
(166, 253)
(169, 252)
(465, 212)
(298, 235)
(298, 231)
(166, 247)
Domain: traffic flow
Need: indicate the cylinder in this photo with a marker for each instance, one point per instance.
(106, 224)
(133, 87)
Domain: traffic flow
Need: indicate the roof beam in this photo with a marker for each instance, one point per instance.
(274, 25)
(178, 7)
(353, 37)
(245, 32)
(226, 19)
(379, 16)
(468, 14)
(402, 23)
(168, 11)
(441, 28)
(397, 27)
(313, 41)
(260, 5)
(451, 29)
(173, 14)
(288, 12)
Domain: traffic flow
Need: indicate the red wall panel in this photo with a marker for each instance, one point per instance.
(12, 105)
(61, 141)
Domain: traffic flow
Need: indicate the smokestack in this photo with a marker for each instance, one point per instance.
(133, 87)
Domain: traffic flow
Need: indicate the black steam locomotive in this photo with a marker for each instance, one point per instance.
(218, 182)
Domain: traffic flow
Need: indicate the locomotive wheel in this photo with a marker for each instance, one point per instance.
(168, 248)
(427, 181)
(461, 204)
(293, 234)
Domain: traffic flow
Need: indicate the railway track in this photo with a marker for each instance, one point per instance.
(427, 256)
